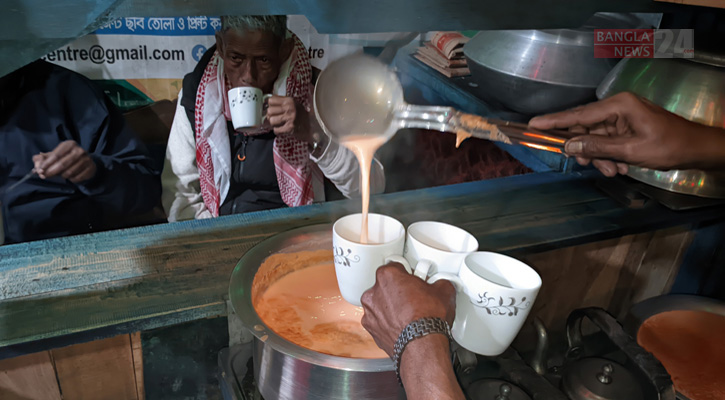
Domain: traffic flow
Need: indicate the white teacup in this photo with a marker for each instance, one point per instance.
(246, 104)
(356, 263)
(495, 294)
(433, 247)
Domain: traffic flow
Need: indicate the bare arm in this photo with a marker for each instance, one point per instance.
(337, 163)
(397, 299)
(427, 372)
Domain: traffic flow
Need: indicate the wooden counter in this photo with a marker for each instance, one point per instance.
(136, 279)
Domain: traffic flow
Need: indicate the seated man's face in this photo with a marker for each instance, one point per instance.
(252, 58)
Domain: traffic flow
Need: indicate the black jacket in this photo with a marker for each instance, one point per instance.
(253, 185)
(42, 105)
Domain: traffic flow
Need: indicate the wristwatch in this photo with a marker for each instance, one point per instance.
(416, 329)
(319, 144)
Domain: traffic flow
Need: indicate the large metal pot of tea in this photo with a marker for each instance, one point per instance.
(284, 370)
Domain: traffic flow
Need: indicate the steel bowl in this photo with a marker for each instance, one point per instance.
(535, 72)
(691, 88)
(284, 370)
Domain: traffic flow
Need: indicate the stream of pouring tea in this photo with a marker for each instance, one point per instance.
(364, 148)
(359, 106)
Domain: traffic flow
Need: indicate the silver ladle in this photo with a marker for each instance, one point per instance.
(360, 96)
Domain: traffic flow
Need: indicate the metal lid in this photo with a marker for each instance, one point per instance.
(600, 379)
(495, 389)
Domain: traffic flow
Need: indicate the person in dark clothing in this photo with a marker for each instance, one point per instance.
(89, 166)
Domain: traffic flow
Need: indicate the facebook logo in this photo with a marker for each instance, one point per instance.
(197, 52)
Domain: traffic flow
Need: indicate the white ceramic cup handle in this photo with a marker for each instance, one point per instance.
(422, 268)
(264, 100)
(452, 278)
(399, 259)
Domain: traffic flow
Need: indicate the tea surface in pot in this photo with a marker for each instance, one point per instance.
(297, 296)
(689, 345)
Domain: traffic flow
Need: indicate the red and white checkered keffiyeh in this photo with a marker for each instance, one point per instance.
(291, 156)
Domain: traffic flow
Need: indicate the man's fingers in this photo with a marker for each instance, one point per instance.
(386, 270)
(583, 161)
(59, 152)
(606, 110)
(83, 170)
(84, 175)
(276, 120)
(587, 115)
(61, 164)
(367, 298)
(598, 146)
(284, 103)
(38, 159)
(622, 168)
(276, 110)
(288, 127)
(75, 168)
(607, 168)
(276, 100)
(37, 162)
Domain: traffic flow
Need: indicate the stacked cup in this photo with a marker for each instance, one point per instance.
(494, 292)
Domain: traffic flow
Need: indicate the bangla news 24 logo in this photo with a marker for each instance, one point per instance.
(644, 43)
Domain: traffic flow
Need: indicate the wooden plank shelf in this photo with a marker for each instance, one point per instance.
(129, 280)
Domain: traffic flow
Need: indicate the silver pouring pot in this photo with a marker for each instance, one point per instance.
(284, 370)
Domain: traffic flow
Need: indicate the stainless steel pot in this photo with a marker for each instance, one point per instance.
(540, 71)
(691, 88)
(284, 370)
(642, 311)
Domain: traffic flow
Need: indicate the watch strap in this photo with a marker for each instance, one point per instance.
(416, 329)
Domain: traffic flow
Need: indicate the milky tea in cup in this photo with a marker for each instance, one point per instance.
(356, 263)
(432, 247)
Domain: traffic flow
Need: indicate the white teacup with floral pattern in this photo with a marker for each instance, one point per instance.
(246, 106)
(356, 263)
(495, 294)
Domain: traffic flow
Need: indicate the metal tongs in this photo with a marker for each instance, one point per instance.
(448, 119)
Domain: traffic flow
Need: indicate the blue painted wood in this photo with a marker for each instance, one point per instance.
(703, 268)
(54, 342)
(351, 16)
(424, 85)
(165, 274)
(31, 28)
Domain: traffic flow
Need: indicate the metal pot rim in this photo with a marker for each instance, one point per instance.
(642, 311)
(534, 81)
(241, 299)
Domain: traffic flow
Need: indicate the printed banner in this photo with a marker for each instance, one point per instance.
(140, 48)
(323, 48)
(138, 61)
(132, 56)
